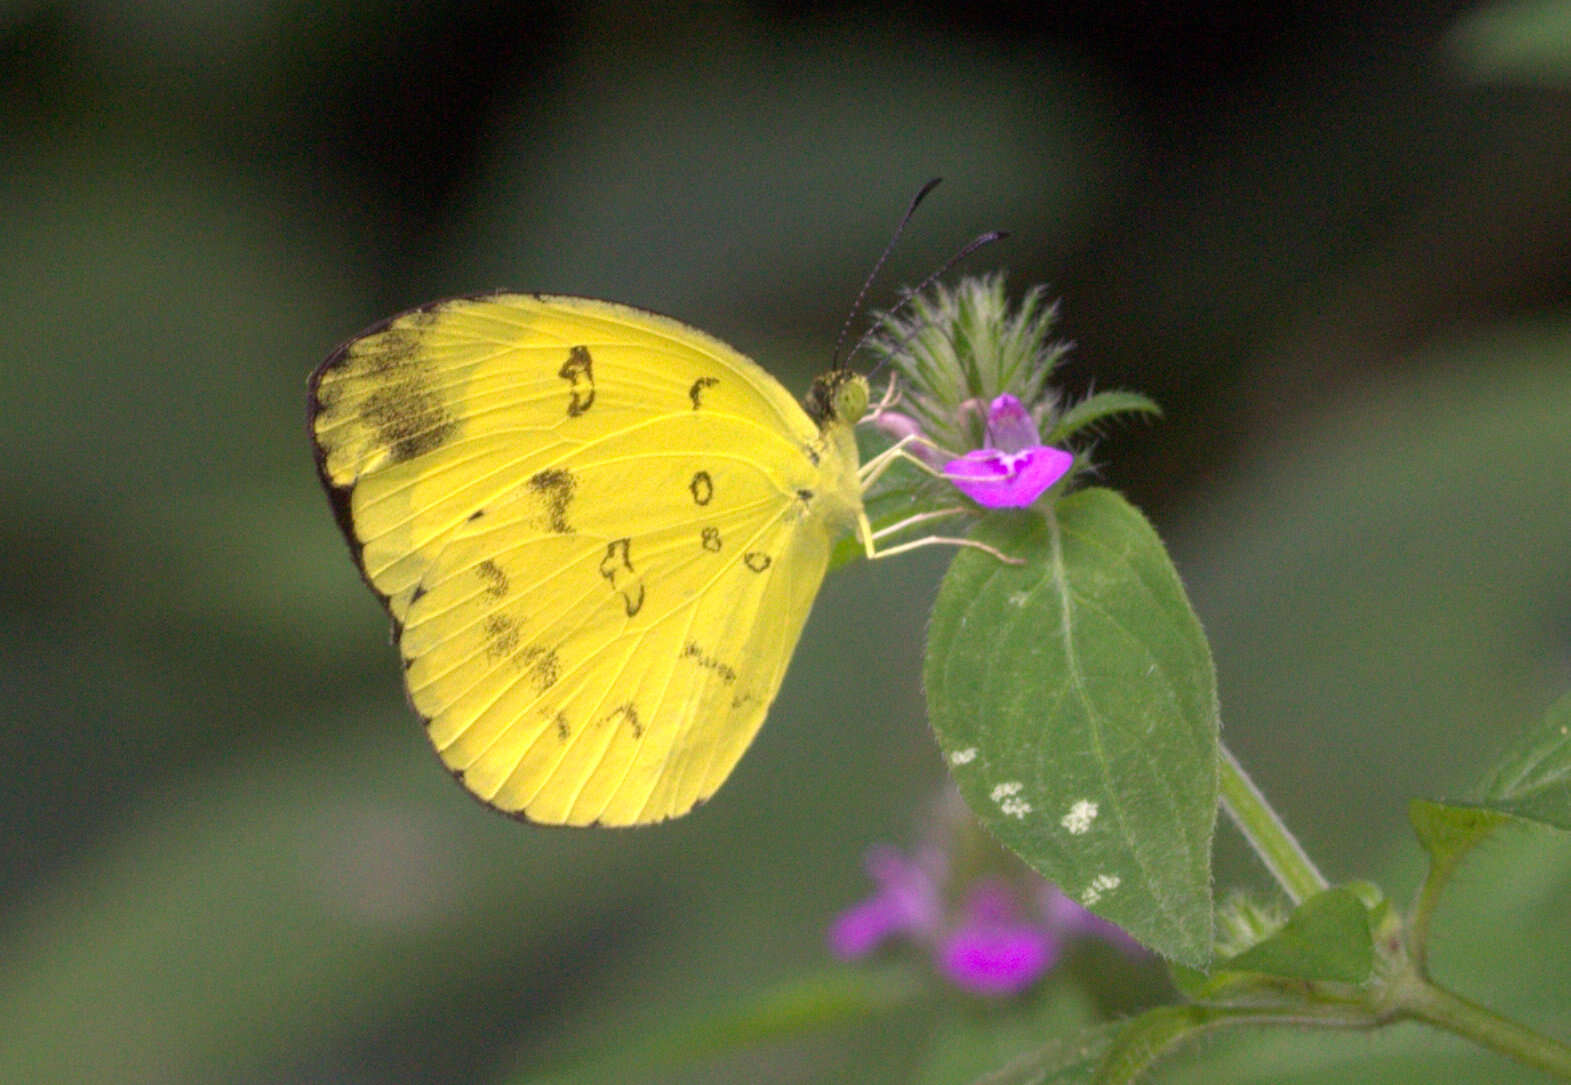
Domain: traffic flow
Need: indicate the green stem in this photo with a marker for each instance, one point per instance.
(1407, 992)
(1422, 1000)
(1278, 849)
(1423, 911)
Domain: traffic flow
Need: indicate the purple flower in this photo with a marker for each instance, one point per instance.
(902, 427)
(992, 951)
(1009, 424)
(1015, 468)
(906, 903)
(1001, 939)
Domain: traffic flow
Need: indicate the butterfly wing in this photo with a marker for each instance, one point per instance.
(599, 533)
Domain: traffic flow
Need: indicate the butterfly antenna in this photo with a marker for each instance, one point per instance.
(906, 296)
(861, 295)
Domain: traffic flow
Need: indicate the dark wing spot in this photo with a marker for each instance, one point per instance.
(696, 392)
(617, 560)
(328, 395)
(805, 496)
(409, 419)
(405, 411)
(757, 560)
(633, 598)
(495, 579)
(501, 635)
(579, 373)
(702, 488)
(711, 539)
(626, 714)
(556, 488)
(542, 666)
(617, 568)
(708, 662)
(385, 353)
(563, 730)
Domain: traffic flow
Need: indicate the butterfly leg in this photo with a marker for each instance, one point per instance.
(945, 540)
(870, 537)
(919, 518)
(870, 471)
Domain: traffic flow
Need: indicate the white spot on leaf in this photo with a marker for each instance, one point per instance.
(1101, 884)
(963, 757)
(1080, 817)
(1007, 796)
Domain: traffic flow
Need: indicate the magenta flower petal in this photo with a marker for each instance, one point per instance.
(992, 952)
(907, 902)
(901, 426)
(1009, 425)
(997, 958)
(996, 479)
(862, 928)
(897, 425)
(909, 885)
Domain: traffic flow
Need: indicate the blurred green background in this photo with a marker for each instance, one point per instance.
(1333, 239)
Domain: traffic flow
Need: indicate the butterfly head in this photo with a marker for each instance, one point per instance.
(839, 396)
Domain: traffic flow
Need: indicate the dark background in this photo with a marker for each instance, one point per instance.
(1332, 239)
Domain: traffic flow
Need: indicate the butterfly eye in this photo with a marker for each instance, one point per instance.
(838, 396)
(851, 399)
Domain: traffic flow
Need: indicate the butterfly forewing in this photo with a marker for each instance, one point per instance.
(599, 534)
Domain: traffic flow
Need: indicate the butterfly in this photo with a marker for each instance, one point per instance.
(598, 532)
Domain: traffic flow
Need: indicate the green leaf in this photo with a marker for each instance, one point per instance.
(1530, 784)
(1326, 938)
(1068, 1060)
(1448, 832)
(1097, 408)
(1075, 701)
(1533, 781)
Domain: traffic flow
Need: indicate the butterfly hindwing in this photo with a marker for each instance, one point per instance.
(598, 533)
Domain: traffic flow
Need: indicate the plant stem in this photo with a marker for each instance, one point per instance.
(1423, 1001)
(1278, 849)
(1406, 992)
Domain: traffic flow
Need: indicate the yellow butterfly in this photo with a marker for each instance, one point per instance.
(598, 532)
